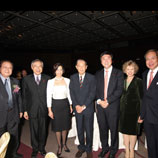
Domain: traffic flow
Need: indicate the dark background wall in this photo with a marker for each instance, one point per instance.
(22, 59)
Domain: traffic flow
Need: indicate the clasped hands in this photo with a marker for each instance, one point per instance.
(103, 103)
(80, 108)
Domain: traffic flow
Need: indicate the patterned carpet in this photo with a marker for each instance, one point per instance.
(26, 151)
(51, 146)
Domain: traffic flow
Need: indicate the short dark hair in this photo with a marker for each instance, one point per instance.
(55, 67)
(151, 50)
(81, 60)
(2, 61)
(106, 53)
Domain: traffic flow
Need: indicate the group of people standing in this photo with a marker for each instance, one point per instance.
(121, 104)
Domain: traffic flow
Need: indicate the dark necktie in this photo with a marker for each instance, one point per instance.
(81, 81)
(10, 103)
(37, 80)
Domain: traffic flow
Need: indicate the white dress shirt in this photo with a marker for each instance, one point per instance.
(39, 77)
(82, 76)
(148, 75)
(109, 74)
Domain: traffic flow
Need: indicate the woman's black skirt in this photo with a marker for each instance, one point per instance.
(62, 116)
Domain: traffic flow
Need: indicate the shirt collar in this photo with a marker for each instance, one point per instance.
(3, 79)
(82, 76)
(39, 76)
(109, 69)
(154, 71)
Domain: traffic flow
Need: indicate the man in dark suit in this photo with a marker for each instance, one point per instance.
(10, 107)
(82, 91)
(109, 89)
(35, 106)
(149, 109)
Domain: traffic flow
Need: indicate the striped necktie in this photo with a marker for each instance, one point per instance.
(81, 81)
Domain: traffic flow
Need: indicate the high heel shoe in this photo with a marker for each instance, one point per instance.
(66, 149)
(59, 151)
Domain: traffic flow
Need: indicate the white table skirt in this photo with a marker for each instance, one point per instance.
(96, 136)
(145, 143)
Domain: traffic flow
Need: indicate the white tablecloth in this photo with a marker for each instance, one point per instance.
(96, 136)
(145, 143)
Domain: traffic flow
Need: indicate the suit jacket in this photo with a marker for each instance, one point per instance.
(17, 102)
(84, 95)
(34, 96)
(149, 110)
(115, 88)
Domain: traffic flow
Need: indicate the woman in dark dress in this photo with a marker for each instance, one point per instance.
(130, 107)
(59, 106)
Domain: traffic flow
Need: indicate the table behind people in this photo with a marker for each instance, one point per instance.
(96, 136)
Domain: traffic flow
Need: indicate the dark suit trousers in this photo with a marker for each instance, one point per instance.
(151, 131)
(12, 128)
(85, 124)
(108, 121)
(38, 130)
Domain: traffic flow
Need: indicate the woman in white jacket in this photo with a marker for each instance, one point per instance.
(59, 106)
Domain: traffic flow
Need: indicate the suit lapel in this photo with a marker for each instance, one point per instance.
(145, 80)
(155, 79)
(77, 81)
(102, 81)
(11, 84)
(111, 80)
(84, 81)
(130, 85)
(33, 80)
(3, 90)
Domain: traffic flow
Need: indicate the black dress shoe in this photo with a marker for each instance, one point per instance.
(79, 153)
(66, 149)
(59, 151)
(17, 155)
(102, 153)
(111, 155)
(34, 153)
(43, 152)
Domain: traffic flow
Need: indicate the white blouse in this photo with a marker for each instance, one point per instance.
(57, 91)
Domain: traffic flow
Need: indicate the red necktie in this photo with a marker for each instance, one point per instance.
(105, 84)
(151, 78)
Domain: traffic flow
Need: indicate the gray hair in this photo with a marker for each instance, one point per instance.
(38, 61)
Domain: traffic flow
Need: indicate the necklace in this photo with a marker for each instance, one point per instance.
(58, 79)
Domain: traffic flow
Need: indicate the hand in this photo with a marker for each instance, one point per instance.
(71, 110)
(140, 120)
(50, 114)
(26, 116)
(79, 108)
(104, 104)
(21, 114)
